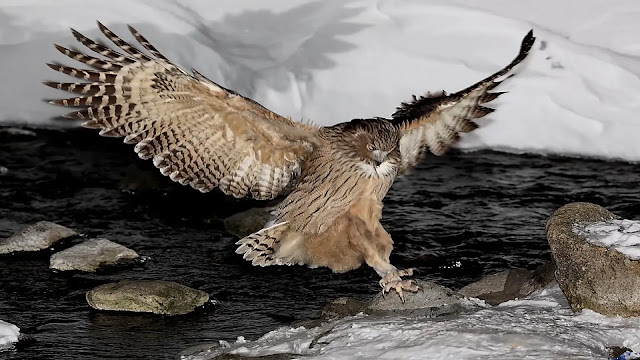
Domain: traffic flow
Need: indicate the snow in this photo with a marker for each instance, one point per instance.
(541, 326)
(8, 335)
(331, 61)
(621, 235)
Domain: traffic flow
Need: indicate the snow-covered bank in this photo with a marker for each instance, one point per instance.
(332, 61)
(8, 335)
(539, 327)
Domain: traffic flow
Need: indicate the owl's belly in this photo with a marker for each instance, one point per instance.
(345, 239)
(350, 238)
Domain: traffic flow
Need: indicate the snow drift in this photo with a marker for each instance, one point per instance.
(331, 61)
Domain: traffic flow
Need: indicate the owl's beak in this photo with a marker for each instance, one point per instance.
(379, 157)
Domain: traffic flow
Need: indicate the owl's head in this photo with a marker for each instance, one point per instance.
(375, 145)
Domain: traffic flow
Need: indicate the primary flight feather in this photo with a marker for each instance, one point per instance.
(334, 178)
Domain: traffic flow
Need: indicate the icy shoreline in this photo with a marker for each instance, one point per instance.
(331, 62)
(542, 326)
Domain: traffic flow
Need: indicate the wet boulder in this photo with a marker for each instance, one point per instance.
(247, 222)
(497, 288)
(38, 236)
(91, 255)
(151, 296)
(510, 284)
(431, 300)
(591, 276)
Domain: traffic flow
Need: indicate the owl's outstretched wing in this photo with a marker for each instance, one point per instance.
(196, 131)
(437, 119)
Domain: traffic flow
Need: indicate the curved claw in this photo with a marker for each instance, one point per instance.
(393, 280)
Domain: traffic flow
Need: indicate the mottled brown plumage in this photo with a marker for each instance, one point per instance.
(335, 178)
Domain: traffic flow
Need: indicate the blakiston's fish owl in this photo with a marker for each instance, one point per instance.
(204, 135)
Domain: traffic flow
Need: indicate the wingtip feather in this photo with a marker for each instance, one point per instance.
(132, 29)
(51, 84)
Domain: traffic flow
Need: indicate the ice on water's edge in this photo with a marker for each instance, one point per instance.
(535, 327)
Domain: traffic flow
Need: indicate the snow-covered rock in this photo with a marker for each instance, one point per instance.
(332, 61)
(35, 237)
(154, 296)
(90, 255)
(8, 335)
(592, 276)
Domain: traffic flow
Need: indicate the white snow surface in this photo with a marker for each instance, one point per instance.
(542, 326)
(8, 335)
(621, 235)
(335, 60)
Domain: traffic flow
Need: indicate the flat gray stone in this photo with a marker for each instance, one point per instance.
(497, 288)
(151, 296)
(432, 300)
(247, 222)
(593, 277)
(38, 236)
(90, 255)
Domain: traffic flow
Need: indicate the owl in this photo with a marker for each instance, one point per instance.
(333, 179)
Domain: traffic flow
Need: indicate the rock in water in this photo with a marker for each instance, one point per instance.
(510, 284)
(35, 237)
(540, 278)
(432, 300)
(247, 222)
(154, 296)
(592, 277)
(497, 288)
(90, 255)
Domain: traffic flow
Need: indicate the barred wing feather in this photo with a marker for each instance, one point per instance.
(436, 120)
(195, 131)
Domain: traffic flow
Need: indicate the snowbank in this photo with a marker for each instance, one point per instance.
(539, 327)
(331, 61)
(8, 335)
(621, 235)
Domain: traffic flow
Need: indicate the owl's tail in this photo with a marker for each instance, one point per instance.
(260, 247)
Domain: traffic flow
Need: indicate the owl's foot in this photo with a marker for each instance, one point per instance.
(393, 280)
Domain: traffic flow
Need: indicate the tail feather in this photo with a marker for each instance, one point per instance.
(260, 247)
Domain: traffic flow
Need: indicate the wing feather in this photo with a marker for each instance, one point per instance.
(195, 131)
(436, 120)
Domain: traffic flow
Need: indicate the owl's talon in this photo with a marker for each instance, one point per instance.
(393, 280)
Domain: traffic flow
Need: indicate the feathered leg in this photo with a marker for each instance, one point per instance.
(376, 249)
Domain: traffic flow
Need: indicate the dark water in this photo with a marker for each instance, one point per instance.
(454, 218)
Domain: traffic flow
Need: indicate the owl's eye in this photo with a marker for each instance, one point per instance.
(371, 147)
